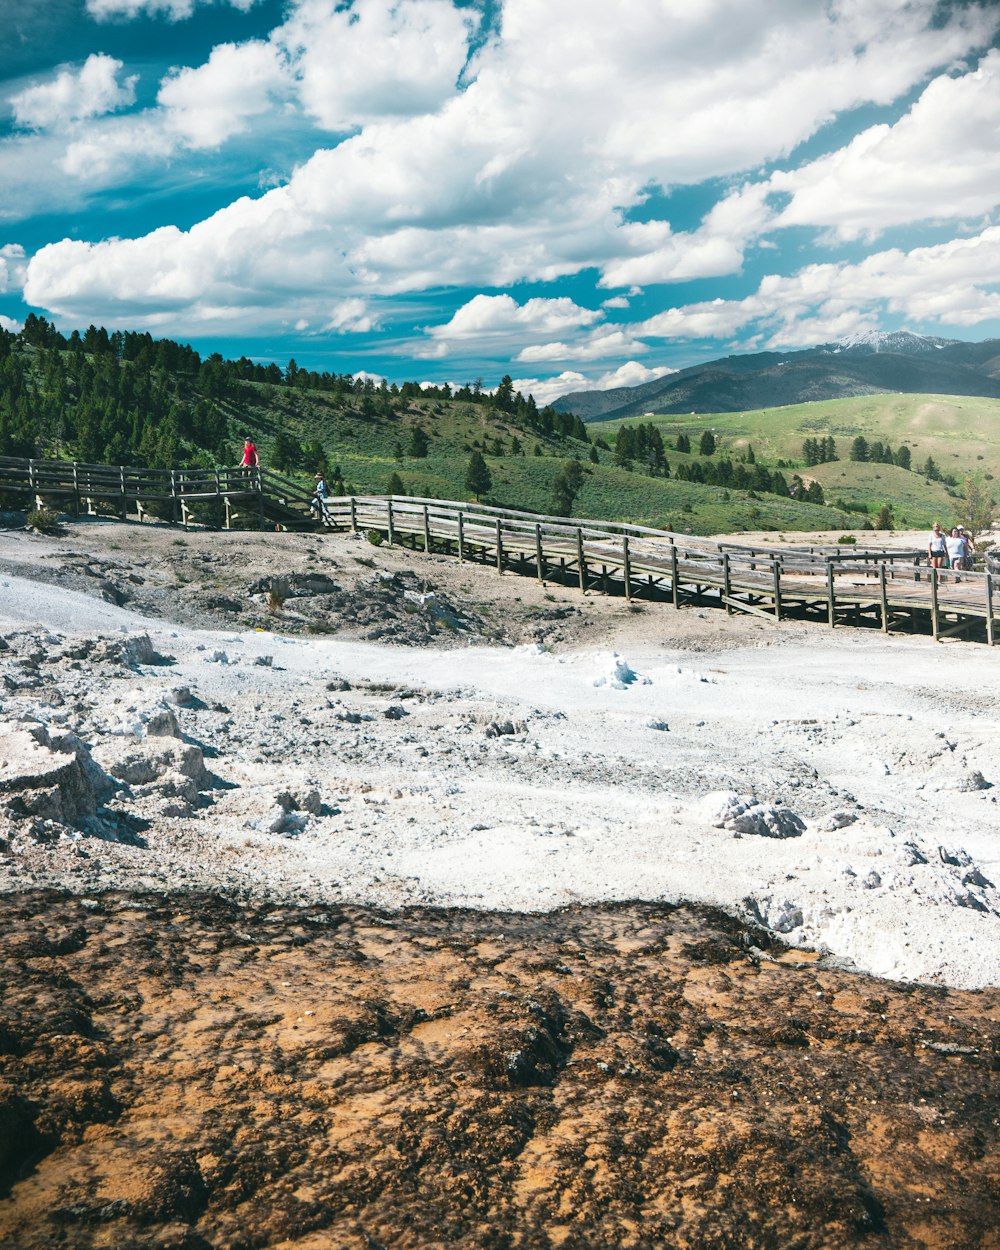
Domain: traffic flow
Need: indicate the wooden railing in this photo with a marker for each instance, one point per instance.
(887, 586)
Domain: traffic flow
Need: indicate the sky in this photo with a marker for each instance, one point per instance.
(576, 193)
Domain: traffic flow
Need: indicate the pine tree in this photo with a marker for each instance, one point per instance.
(478, 478)
(419, 444)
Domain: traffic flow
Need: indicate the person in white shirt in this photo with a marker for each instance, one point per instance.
(956, 545)
(970, 551)
(936, 547)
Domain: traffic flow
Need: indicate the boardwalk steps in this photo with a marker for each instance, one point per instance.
(889, 588)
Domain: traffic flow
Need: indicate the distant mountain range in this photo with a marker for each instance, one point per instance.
(864, 364)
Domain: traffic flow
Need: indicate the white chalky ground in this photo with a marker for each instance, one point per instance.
(522, 779)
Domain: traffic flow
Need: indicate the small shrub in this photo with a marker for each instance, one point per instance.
(43, 520)
(847, 540)
(374, 537)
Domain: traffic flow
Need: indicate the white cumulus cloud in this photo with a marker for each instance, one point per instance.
(71, 96)
(632, 373)
(369, 60)
(351, 316)
(938, 161)
(13, 267)
(173, 10)
(953, 283)
(208, 104)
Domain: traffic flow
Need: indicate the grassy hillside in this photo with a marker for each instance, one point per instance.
(961, 434)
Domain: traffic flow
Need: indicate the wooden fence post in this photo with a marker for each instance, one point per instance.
(354, 515)
(832, 610)
(461, 537)
(581, 561)
(776, 574)
(675, 592)
(539, 566)
(627, 568)
(427, 531)
(934, 603)
(499, 548)
(989, 607)
(883, 598)
(726, 587)
(392, 532)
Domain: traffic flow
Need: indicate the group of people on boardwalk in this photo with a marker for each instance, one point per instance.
(949, 551)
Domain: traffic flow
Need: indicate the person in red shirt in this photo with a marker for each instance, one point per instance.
(250, 458)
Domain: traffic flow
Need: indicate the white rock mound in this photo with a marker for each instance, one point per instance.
(725, 809)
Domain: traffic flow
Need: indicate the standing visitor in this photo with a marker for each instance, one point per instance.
(250, 459)
(320, 492)
(970, 551)
(937, 550)
(955, 546)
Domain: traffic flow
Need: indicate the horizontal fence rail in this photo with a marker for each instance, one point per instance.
(886, 587)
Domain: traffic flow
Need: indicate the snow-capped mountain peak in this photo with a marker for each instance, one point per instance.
(901, 342)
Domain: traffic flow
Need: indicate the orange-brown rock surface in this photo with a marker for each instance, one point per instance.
(186, 1072)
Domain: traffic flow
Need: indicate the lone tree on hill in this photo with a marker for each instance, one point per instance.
(975, 508)
(885, 520)
(419, 443)
(707, 445)
(683, 444)
(478, 478)
(395, 486)
(566, 487)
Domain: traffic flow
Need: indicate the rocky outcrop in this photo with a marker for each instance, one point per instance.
(52, 779)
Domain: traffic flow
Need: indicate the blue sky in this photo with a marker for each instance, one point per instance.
(576, 193)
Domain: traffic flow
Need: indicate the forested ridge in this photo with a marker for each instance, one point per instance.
(122, 397)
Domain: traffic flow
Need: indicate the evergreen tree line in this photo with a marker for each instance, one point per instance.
(819, 450)
(122, 397)
(879, 453)
(644, 444)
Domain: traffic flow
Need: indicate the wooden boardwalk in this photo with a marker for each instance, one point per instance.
(887, 588)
